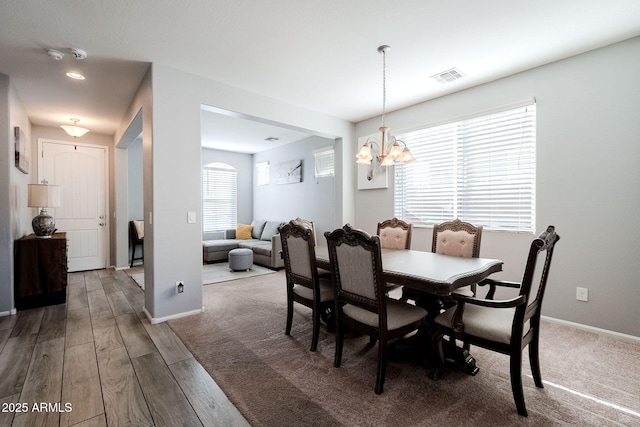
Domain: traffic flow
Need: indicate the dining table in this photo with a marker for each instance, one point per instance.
(427, 272)
(435, 276)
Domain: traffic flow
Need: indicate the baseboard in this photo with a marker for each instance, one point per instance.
(626, 337)
(8, 313)
(173, 316)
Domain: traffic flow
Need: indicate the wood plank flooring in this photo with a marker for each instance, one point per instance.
(98, 361)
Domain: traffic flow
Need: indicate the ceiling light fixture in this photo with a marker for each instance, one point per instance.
(75, 130)
(389, 149)
(55, 54)
(75, 76)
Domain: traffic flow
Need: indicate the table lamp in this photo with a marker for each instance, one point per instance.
(44, 196)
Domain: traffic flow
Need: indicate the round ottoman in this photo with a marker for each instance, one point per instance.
(240, 259)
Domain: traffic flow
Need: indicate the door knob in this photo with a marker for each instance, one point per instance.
(101, 224)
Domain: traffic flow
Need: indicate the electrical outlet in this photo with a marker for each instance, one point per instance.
(582, 294)
(179, 287)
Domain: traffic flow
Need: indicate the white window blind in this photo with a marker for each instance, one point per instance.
(262, 170)
(324, 162)
(481, 170)
(219, 197)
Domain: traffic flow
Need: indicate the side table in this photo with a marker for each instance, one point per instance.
(40, 271)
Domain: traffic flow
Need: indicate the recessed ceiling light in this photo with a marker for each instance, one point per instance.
(74, 75)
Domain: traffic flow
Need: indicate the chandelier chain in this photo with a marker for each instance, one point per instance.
(384, 84)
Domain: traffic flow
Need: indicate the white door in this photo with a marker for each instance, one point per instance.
(80, 170)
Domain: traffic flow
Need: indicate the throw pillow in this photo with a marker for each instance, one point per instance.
(257, 228)
(270, 229)
(243, 231)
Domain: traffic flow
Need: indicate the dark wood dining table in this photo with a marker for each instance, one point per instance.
(435, 276)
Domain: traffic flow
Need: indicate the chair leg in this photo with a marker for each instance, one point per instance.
(339, 339)
(516, 383)
(534, 360)
(287, 330)
(382, 366)
(133, 253)
(316, 328)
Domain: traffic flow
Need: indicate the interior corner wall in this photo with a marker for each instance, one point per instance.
(312, 198)
(15, 218)
(587, 179)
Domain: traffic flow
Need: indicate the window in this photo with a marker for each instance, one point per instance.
(219, 197)
(481, 170)
(324, 162)
(262, 171)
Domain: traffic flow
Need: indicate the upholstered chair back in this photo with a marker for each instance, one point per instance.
(356, 260)
(457, 238)
(394, 234)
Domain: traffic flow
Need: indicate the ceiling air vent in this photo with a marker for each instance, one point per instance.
(448, 76)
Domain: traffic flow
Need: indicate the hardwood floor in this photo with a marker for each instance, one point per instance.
(98, 361)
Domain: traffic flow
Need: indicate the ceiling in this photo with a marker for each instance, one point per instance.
(316, 54)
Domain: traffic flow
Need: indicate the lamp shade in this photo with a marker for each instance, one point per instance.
(74, 131)
(44, 196)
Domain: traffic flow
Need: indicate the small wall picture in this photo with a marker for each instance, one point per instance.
(22, 155)
(289, 172)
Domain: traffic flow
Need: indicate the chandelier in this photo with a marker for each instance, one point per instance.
(389, 149)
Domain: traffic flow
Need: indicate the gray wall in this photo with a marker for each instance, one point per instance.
(135, 194)
(244, 167)
(313, 198)
(588, 151)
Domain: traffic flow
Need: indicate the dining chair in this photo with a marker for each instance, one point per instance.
(394, 234)
(304, 285)
(136, 238)
(455, 238)
(505, 326)
(361, 303)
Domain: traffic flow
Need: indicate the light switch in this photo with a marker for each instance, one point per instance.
(191, 217)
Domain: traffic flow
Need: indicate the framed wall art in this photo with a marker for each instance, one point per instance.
(289, 172)
(21, 149)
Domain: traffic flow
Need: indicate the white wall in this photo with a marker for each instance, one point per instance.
(588, 151)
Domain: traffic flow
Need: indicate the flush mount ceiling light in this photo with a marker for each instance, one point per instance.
(75, 130)
(389, 149)
(55, 54)
(272, 139)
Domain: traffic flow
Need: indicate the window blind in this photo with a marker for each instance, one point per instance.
(324, 162)
(219, 197)
(480, 169)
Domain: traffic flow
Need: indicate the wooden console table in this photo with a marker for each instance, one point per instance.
(40, 271)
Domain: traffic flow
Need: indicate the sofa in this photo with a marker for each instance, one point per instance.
(264, 241)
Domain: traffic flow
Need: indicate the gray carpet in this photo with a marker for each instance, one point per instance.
(211, 273)
(275, 380)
